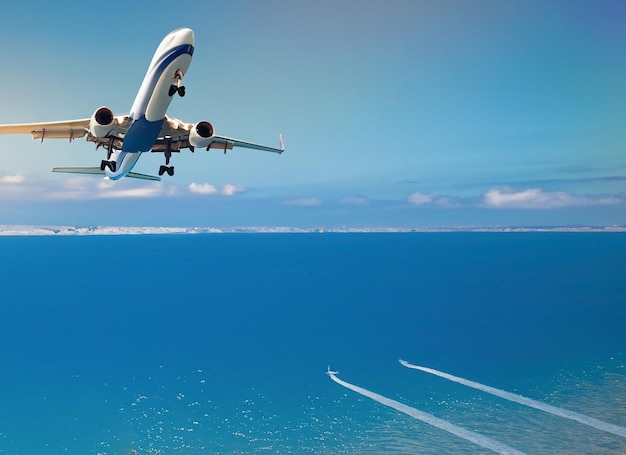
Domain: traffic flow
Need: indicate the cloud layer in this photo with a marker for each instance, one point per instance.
(330, 207)
(535, 198)
(19, 178)
(420, 198)
(89, 188)
(304, 202)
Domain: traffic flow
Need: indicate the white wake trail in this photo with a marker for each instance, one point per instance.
(476, 438)
(560, 412)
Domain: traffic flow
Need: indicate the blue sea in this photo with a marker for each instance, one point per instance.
(219, 343)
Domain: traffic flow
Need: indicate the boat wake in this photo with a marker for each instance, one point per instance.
(477, 438)
(554, 410)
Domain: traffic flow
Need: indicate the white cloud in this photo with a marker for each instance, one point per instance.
(86, 188)
(354, 200)
(142, 192)
(535, 198)
(103, 183)
(433, 199)
(230, 189)
(420, 198)
(304, 202)
(91, 188)
(19, 178)
(447, 202)
(202, 188)
(71, 188)
(18, 187)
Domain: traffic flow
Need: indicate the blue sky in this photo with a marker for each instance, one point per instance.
(395, 113)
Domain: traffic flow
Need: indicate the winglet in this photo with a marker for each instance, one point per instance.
(282, 142)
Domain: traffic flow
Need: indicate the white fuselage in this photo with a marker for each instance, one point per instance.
(170, 62)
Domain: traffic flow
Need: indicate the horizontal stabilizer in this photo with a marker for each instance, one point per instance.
(97, 171)
(79, 170)
(136, 175)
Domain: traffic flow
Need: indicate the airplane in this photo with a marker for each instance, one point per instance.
(146, 128)
(330, 372)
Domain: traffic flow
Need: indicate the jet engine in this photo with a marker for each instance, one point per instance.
(101, 122)
(201, 134)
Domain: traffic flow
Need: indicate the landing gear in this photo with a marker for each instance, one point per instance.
(177, 88)
(108, 163)
(168, 154)
(112, 165)
(110, 149)
(166, 169)
(174, 89)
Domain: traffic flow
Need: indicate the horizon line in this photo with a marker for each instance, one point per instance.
(8, 230)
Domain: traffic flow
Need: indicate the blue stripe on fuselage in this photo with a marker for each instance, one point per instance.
(159, 68)
(123, 167)
(141, 135)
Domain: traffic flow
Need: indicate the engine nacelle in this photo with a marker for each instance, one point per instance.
(101, 122)
(201, 134)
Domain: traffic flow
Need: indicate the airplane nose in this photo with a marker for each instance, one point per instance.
(185, 35)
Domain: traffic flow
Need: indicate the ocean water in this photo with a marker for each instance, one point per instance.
(206, 344)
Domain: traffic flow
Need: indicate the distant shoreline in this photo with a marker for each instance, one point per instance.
(26, 230)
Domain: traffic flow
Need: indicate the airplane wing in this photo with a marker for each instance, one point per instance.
(174, 137)
(70, 129)
(229, 143)
(66, 129)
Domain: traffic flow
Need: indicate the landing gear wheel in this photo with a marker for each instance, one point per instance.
(166, 169)
(112, 165)
(176, 89)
